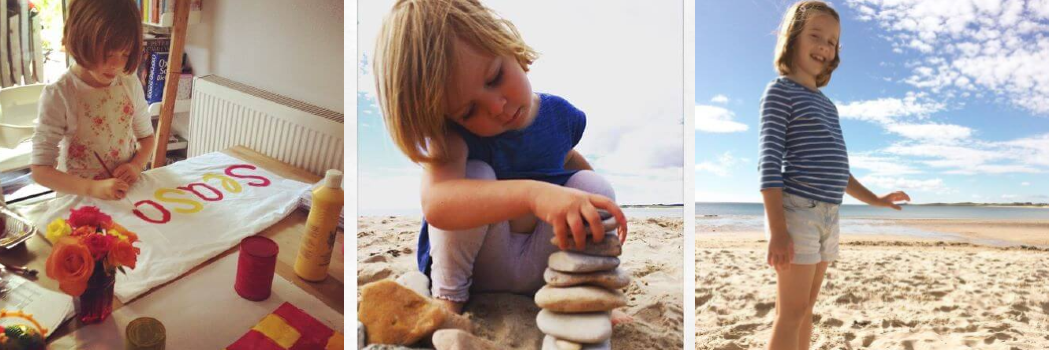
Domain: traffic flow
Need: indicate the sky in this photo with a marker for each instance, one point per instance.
(944, 99)
(621, 65)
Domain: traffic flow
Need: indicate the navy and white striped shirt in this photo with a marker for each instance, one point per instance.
(801, 148)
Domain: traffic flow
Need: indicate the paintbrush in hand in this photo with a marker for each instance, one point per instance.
(103, 164)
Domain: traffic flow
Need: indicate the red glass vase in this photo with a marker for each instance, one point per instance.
(96, 303)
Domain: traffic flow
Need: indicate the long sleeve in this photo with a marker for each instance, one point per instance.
(50, 128)
(775, 111)
(141, 125)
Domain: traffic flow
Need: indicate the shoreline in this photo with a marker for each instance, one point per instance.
(985, 232)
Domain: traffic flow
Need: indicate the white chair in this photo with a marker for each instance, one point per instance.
(18, 118)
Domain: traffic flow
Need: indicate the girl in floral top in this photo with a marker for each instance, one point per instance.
(95, 116)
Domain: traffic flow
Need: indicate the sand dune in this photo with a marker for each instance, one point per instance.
(652, 255)
(885, 292)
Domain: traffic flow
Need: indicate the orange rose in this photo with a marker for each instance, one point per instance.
(70, 264)
(123, 254)
(132, 237)
(83, 231)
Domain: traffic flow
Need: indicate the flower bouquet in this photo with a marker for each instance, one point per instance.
(88, 249)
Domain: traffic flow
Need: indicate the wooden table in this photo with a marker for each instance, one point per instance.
(287, 233)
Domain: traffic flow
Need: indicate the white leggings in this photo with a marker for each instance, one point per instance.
(491, 258)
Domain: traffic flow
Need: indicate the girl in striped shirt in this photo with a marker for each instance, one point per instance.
(804, 168)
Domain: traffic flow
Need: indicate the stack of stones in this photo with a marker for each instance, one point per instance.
(582, 289)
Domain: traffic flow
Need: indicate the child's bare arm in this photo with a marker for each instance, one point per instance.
(575, 161)
(108, 189)
(781, 251)
(452, 202)
(142, 156)
(855, 189)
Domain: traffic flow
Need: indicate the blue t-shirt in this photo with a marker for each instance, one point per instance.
(801, 146)
(536, 152)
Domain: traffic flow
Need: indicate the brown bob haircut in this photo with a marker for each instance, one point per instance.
(96, 28)
(791, 26)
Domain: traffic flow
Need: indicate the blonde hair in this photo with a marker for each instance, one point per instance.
(96, 28)
(794, 20)
(414, 60)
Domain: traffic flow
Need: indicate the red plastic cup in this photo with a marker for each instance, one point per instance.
(255, 268)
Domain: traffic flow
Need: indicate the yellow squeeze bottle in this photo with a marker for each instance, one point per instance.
(315, 250)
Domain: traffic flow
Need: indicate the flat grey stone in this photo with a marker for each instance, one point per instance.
(609, 223)
(610, 246)
(612, 279)
(594, 327)
(579, 299)
(575, 262)
(552, 343)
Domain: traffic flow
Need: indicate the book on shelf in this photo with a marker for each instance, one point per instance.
(158, 70)
(161, 12)
(152, 43)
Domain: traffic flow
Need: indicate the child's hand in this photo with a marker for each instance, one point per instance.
(781, 252)
(127, 172)
(108, 189)
(889, 199)
(566, 209)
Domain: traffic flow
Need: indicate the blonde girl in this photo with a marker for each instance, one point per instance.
(804, 168)
(501, 176)
(94, 117)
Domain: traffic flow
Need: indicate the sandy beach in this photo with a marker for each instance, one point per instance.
(652, 255)
(983, 285)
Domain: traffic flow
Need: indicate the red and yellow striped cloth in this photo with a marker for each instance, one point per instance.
(289, 328)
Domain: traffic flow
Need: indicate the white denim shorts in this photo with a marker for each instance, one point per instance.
(813, 227)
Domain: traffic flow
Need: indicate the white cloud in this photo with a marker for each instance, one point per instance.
(1026, 155)
(721, 166)
(1026, 183)
(898, 183)
(1030, 150)
(1000, 46)
(720, 99)
(716, 119)
(883, 166)
(933, 132)
(889, 110)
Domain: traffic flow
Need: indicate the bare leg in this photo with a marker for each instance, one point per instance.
(805, 332)
(793, 293)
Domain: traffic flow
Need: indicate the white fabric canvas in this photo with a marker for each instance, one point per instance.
(188, 212)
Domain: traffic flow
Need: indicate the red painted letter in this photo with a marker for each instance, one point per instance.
(263, 182)
(165, 215)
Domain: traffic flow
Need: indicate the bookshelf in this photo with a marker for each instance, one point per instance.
(169, 17)
(159, 15)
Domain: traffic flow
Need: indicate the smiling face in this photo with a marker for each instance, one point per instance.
(815, 47)
(488, 94)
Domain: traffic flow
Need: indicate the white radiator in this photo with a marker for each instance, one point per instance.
(224, 113)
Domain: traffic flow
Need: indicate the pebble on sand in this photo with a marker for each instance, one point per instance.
(575, 262)
(579, 299)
